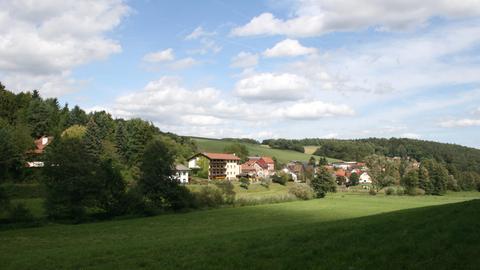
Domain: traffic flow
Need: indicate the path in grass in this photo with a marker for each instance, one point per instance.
(338, 232)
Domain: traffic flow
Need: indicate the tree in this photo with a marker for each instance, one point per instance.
(322, 161)
(92, 139)
(77, 116)
(312, 161)
(72, 179)
(354, 179)
(323, 182)
(112, 199)
(75, 131)
(38, 117)
(410, 181)
(156, 181)
(424, 179)
(238, 149)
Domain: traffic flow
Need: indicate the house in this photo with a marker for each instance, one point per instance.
(294, 176)
(255, 168)
(217, 165)
(262, 166)
(364, 178)
(181, 173)
(34, 155)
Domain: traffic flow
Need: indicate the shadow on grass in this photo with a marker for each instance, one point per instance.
(434, 237)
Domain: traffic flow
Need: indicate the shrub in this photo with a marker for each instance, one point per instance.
(389, 191)
(277, 198)
(419, 191)
(266, 182)
(244, 182)
(401, 191)
(281, 178)
(228, 190)
(19, 213)
(209, 196)
(372, 192)
(302, 191)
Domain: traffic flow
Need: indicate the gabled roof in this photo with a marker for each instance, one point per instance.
(268, 160)
(218, 156)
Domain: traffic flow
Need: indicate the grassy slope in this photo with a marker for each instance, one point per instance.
(211, 145)
(339, 232)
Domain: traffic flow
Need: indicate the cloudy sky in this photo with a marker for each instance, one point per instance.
(260, 69)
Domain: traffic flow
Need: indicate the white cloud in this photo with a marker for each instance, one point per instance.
(317, 17)
(288, 47)
(184, 63)
(311, 110)
(198, 33)
(271, 86)
(476, 111)
(410, 135)
(201, 120)
(44, 41)
(160, 56)
(244, 60)
(460, 123)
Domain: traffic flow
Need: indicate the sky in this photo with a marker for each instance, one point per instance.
(258, 69)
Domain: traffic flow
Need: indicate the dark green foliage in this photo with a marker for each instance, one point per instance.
(468, 180)
(285, 144)
(73, 180)
(209, 196)
(354, 179)
(238, 149)
(156, 181)
(410, 181)
(4, 199)
(228, 190)
(244, 182)
(389, 191)
(281, 178)
(92, 139)
(323, 182)
(438, 176)
(312, 161)
(113, 197)
(372, 192)
(77, 116)
(241, 140)
(19, 213)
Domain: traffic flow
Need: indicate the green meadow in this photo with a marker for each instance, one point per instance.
(341, 231)
(284, 156)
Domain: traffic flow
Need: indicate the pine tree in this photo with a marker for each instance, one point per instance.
(121, 140)
(38, 117)
(92, 140)
(323, 182)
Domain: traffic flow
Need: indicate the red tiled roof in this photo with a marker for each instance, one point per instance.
(340, 172)
(268, 160)
(221, 156)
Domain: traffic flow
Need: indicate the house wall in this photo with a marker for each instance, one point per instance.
(232, 169)
(365, 178)
(182, 176)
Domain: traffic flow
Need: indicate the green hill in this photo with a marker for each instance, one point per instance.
(215, 145)
(338, 232)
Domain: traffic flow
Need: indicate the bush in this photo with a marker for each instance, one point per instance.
(19, 213)
(372, 192)
(266, 182)
(302, 191)
(401, 191)
(209, 196)
(228, 190)
(389, 191)
(281, 178)
(419, 191)
(277, 198)
(244, 182)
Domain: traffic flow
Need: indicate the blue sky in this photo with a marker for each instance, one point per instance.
(259, 69)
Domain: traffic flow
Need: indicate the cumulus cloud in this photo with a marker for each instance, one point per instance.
(288, 47)
(272, 87)
(317, 17)
(244, 60)
(184, 63)
(44, 41)
(160, 56)
(310, 110)
(466, 122)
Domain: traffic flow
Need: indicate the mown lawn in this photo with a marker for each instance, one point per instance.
(284, 156)
(342, 231)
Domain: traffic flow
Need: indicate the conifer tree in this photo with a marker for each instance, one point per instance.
(92, 140)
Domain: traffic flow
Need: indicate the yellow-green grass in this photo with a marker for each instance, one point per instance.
(310, 149)
(339, 232)
(284, 156)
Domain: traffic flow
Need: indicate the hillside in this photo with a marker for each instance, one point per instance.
(339, 232)
(215, 145)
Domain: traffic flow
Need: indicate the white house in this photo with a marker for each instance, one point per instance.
(294, 176)
(220, 165)
(181, 173)
(364, 178)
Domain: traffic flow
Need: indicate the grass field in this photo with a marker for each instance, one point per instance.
(341, 231)
(284, 156)
(310, 149)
